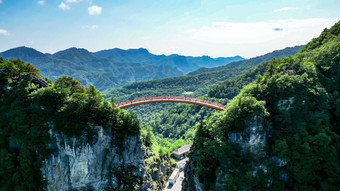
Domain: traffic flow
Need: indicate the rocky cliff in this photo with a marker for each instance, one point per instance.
(281, 132)
(251, 141)
(99, 164)
(67, 137)
(76, 164)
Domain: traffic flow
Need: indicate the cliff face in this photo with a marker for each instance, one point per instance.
(67, 137)
(76, 164)
(281, 132)
(251, 141)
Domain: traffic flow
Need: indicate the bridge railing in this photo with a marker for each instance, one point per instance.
(162, 98)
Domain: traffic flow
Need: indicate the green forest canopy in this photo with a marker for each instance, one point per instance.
(298, 101)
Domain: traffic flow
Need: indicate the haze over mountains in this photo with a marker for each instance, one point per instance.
(290, 105)
(197, 81)
(112, 68)
(184, 63)
(289, 51)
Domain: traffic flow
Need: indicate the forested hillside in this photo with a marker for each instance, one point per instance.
(230, 88)
(198, 84)
(183, 63)
(90, 70)
(281, 132)
(289, 51)
(179, 120)
(176, 86)
(174, 121)
(28, 113)
(33, 120)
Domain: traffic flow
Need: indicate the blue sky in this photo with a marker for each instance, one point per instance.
(189, 27)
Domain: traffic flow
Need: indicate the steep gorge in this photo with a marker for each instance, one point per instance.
(67, 137)
(281, 132)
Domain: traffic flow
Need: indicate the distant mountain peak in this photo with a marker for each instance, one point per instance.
(22, 52)
(74, 54)
(74, 49)
(143, 50)
(22, 48)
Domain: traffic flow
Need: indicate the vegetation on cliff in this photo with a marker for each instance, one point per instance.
(178, 121)
(28, 113)
(298, 101)
(197, 83)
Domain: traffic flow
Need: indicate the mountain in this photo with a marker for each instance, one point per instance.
(184, 117)
(89, 69)
(281, 132)
(112, 68)
(69, 131)
(183, 63)
(253, 61)
(231, 87)
(163, 117)
(197, 84)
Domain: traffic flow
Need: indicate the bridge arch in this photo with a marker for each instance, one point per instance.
(189, 100)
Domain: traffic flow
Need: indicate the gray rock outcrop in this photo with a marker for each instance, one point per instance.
(76, 164)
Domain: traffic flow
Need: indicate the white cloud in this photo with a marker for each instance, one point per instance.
(41, 2)
(95, 10)
(75, 1)
(64, 6)
(256, 38)
(0, 1)
(257, 32)
(93, 27)
(285, 9)
(3, 32)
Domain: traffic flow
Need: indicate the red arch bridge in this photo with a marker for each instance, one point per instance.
(171, 99)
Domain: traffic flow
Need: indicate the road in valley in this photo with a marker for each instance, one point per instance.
(178, 184)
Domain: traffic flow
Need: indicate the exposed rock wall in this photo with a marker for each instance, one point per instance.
(76, 164)
(191, 182)
(252, 139)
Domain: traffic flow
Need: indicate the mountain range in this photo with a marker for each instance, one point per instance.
(112, 68)
(196, 82)
(289, 51)
(184, 63)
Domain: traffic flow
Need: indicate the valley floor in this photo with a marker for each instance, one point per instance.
(178, 185)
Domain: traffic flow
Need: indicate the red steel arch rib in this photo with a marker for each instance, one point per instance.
(171, 99)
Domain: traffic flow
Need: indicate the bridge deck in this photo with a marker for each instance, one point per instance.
(171, 99)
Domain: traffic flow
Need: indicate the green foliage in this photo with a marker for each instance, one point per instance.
(27, 114)
(147, 136)
(174, 121)
(230, 88)
(22, 131)
(89, 69)
(247, 64)
(198, 84)
(296, 101)
(326, 36)
(158, 155)
(239, 111)
(126, 178)
(109, 69)
(182, 63)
